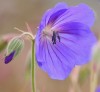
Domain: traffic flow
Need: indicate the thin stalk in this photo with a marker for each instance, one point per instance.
(94, 78)
(33, 68)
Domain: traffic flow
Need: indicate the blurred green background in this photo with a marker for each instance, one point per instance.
(13, 77)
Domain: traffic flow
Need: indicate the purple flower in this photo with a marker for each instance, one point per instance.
(64, 39)
(98, 89)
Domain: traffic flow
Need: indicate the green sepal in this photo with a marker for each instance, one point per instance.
(16, 44)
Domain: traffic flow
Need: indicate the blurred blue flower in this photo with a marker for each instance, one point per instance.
(64, 39)
(98, 89)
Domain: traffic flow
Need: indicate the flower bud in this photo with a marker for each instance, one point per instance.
(13, 49)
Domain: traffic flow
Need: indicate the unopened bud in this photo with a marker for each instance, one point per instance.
(14, 48)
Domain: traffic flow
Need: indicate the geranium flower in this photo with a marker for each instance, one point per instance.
(64, 39)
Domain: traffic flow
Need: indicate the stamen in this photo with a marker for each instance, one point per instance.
(55, 35)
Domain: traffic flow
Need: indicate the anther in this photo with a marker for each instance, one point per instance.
(55, 35)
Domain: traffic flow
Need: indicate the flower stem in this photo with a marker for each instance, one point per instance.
(94, 78)
(33, 68)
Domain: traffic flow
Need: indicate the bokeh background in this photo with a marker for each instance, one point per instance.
(16, 77)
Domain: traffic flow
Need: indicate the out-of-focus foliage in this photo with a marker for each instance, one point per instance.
(28, 67)
(3, 44)
(83, 75)
(96, 56)
(28, 64)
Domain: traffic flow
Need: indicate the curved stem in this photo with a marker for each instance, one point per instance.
(33, 68)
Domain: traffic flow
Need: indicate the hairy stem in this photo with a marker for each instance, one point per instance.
(33, 68)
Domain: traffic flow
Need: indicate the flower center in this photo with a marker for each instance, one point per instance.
(51, 34)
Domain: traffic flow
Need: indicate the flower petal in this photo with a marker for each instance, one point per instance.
(9, 57)
(62, 7)
(51, 14)
(78, 40)
(81, 13)
(54, 16)
(43, 21)
(54, 62)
